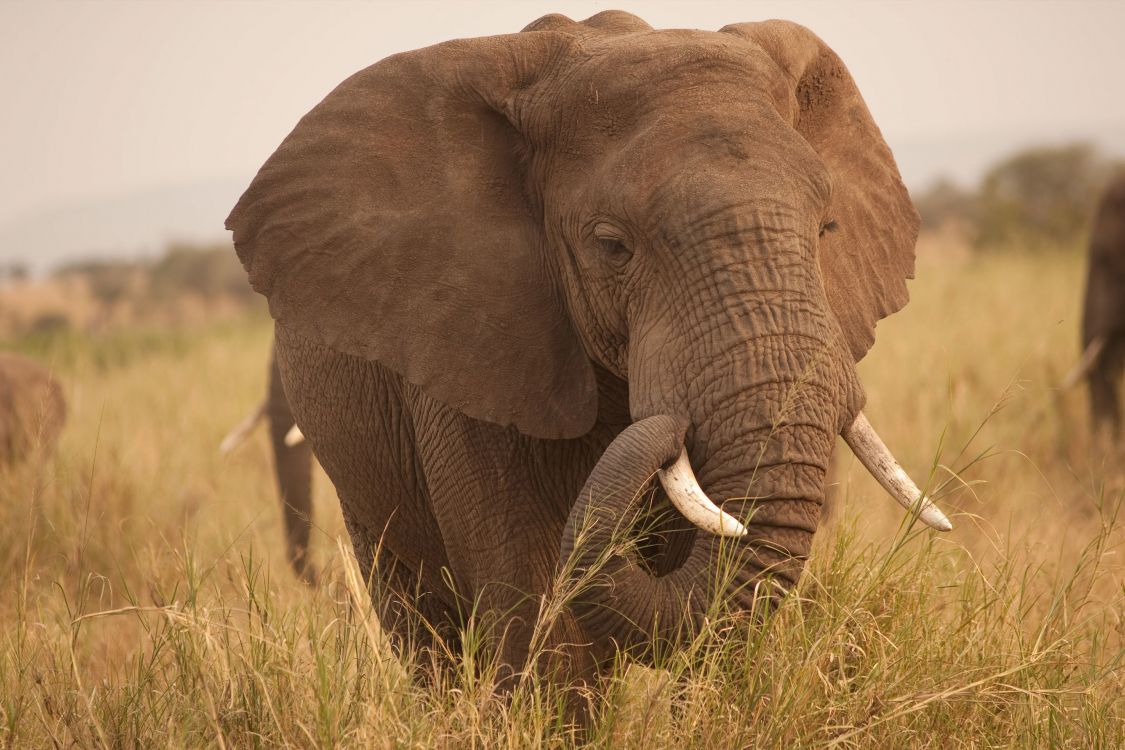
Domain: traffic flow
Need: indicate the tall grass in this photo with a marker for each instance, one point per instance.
(145, 600)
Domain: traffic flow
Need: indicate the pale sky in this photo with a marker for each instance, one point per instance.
(103, 98)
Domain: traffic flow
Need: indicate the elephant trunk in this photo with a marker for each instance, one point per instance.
(293, 468)
(622, 599)
(760, 447)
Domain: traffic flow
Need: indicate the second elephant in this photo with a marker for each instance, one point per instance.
(1103, 316)
(292, 461)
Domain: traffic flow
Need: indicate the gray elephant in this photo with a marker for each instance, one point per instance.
(32, 409)
(515, 278)
(1103, 316)
(292, 461)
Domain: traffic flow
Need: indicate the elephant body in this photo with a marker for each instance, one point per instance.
(516, 278)
(32, 409)
(1103, 319)
(404, 466)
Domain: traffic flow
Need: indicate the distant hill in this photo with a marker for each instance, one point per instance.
(130, 225)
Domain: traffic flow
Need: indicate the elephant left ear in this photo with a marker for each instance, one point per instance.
(395, 224)
(867, 260)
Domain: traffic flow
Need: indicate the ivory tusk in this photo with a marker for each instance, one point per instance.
(242, 430)
(294, 436)
(683, 490)
(1088, 359)
(869, 448)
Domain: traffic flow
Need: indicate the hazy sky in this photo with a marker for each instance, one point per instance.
(108, 97)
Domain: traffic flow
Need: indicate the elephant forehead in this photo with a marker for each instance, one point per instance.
(694, 66)
(682, 167)
(635, 103)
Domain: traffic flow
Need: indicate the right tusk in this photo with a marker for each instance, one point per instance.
(1085, 363)
(294, 436)
(872, 452)
(242, 430)
(683, 490)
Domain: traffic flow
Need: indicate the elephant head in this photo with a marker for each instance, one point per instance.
(713, 218)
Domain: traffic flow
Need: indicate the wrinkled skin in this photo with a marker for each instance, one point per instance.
(513, 276)
(293, 473)
(1104, 309)
(32, 409)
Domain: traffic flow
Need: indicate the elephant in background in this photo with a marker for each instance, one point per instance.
(292, 461)
(515, 278)
(32, 409)
(1103, 314)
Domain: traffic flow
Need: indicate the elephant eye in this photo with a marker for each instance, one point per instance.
(612, 243)
(830, 226)
(616, 250)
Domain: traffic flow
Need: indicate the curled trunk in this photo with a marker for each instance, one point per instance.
(623, 599)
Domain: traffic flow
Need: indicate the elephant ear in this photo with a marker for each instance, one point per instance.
(394, 224)
(867, 260)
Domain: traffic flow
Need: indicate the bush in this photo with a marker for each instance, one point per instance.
(944, 203)
(1040, 197)
(109, 280)
(209, 272)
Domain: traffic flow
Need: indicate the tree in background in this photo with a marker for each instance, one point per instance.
(945, 203)
(209, 271)
(1041, 197)
(1037, 198)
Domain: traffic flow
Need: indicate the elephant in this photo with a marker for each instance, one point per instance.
(32, 409)
(292, 461)
(538, 292)
(1103, 316)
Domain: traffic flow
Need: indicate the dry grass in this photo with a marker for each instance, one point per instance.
(145, 599)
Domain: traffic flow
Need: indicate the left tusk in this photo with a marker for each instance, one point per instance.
(873, 453)
(242, 430)
(1085, 363)
(294, 436)
(683, 490)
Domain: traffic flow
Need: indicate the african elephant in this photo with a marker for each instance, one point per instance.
(32, 409)
(514, 278)
(292, 461)
(1103, 317)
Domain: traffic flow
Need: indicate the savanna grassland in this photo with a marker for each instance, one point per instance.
(145, 600)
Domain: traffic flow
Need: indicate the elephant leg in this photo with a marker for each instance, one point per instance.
(1104, 379)
(293, 469)
(417, 622)
(352, 412)
(501, 522)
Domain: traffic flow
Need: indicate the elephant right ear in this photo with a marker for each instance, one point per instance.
(868, 259)
(394, 224)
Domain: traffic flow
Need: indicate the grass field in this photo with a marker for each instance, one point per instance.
(145, 600)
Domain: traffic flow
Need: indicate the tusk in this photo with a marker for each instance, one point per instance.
(242, 430)
(869, 448)
(683, 490)
(294, 436)
(1088, 359)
